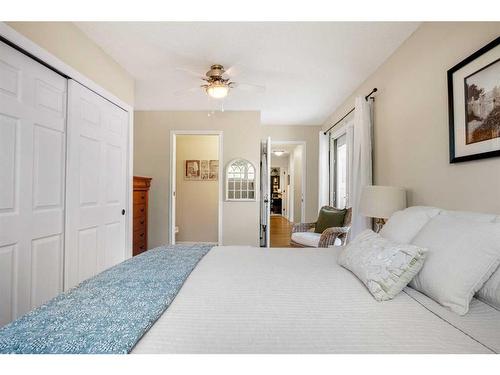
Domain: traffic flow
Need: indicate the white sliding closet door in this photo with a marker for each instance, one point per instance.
(32, 158)
(96, 184)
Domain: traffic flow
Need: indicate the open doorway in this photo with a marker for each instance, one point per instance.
(287, 189)
(196, 187)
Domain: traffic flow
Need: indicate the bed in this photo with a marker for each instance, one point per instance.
(251, 300)
(239, 299)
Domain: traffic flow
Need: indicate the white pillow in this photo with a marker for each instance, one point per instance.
(462, 255)
(385, 267)
(404, 225)
(490, 292)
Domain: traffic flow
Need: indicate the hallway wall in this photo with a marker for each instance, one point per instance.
(297, 160)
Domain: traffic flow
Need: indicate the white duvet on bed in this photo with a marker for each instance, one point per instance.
(251, 300)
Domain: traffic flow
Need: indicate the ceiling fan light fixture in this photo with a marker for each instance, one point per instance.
(217, 90)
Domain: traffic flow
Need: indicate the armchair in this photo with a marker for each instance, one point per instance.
(302, 236)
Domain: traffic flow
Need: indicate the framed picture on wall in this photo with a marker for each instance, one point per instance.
(474, 105)
(213, 170)
(192, 170)
(205, 170)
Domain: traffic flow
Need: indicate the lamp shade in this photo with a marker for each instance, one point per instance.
(382, 201)
(217, 90)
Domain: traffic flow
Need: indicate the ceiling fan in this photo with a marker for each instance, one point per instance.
(218, 84)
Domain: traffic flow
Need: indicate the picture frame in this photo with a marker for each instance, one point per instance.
(192, 170)
(213, 170)
(201, 170)
(474, 105)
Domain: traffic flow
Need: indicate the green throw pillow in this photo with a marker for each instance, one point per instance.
(329, 217)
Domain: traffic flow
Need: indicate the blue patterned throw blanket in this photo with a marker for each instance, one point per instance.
(110, 312)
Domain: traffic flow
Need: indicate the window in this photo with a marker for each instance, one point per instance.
(240, 180)
(340, 171)
(340, 165)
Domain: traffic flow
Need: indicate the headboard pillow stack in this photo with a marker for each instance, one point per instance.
(463, 254)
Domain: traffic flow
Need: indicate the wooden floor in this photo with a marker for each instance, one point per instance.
(281, 230)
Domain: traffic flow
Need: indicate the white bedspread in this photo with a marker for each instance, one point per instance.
(251, 300)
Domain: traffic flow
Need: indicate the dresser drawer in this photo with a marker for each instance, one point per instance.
(139, 247)
(139, 197)
(139, 210)
(139, 236)
(139, 241)
(139, 222)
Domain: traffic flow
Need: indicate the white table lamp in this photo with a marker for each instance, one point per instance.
(380, 202)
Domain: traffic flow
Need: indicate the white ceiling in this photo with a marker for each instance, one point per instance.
(308, 68)
(287, 147)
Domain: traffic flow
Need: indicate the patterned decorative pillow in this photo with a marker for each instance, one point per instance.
(385, 267)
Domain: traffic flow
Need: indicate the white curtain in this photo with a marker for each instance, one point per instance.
(361, 162)
(324, 174)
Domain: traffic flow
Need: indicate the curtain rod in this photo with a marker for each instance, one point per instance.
(348, 113)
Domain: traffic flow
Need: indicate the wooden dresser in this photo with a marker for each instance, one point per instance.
(141, 195)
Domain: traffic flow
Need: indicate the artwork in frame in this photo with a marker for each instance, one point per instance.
(192, 170)
(201, 170)
(213, 170)
(205, 170)
(474, 105)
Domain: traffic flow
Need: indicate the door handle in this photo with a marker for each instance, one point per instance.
(123, 212)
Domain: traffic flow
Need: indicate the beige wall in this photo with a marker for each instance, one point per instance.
(197, 202)
(242, 134)
(152, 157)
(411, 120)
(71, 45)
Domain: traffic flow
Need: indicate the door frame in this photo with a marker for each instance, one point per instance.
(173, 172)
(33, 50)
(304, 177)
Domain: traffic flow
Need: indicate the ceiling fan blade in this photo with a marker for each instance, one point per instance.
(187, 91)
(191, 72)
(249, 87)
(231, 71)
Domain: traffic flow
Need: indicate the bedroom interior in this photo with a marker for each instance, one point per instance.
(250, 188)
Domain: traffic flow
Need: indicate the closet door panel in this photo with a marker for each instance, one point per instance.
(47, 268)
(96, 184)
(48, 168)
(32, 163)
(8, 162)
(9, 77)
(7, 282)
